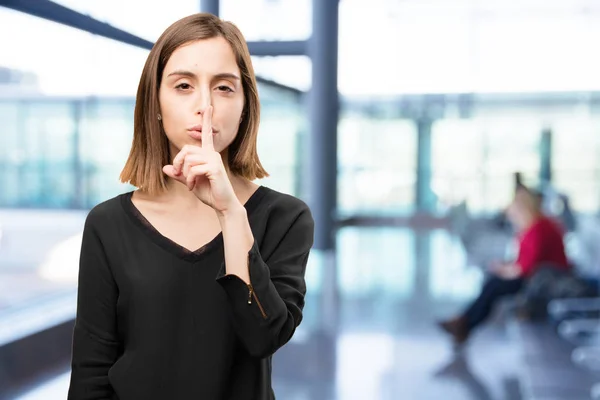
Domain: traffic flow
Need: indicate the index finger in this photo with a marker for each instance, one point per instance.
(207, 132)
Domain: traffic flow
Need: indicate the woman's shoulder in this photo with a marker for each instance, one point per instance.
(279, 202)
(282, 215)
(108, 210)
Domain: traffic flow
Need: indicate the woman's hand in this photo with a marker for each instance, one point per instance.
(507, 271)
(201, 169)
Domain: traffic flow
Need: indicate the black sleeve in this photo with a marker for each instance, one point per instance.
(95, 343)
(267, 312)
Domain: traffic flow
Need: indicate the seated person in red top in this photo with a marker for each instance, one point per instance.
(540, 243)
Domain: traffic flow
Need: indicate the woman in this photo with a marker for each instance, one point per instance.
(540, 243)
(189, 284)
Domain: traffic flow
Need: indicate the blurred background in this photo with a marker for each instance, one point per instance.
(402, 123)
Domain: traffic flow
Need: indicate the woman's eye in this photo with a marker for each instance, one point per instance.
(183, 86)
(225, 88)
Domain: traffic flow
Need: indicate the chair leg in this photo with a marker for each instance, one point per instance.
(595, 391)
(576, 327)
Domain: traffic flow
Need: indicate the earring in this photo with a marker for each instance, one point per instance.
(159, 117)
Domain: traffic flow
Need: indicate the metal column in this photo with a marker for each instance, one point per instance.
(424, 195)
(210, 6)
(323, 113)
(321, 157)
(546, 157)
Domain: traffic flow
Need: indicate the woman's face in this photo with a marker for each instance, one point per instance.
(199, 74)
(515, 214)
(520, 212)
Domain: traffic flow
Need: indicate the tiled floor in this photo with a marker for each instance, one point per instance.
(383, 343)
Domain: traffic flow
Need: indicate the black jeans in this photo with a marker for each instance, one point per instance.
(492, 291)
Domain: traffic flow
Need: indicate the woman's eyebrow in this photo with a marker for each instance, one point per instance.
(189, 74)
(183, 72)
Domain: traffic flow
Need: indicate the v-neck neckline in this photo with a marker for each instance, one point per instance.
(170, 245)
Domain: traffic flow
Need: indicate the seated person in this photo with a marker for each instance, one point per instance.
(540, 243)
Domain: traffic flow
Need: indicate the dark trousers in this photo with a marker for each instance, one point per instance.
(494, 289)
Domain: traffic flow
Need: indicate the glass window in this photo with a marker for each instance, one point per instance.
(401, 48)
(143, 19)
(457, 158)
(63, 153)
(575, 161)
(376, 261)
(450, 277)
(292, 71)
(257, 19)
(270, 20)
(280, 138)
(475, 160)
(377, 165)
(66, 61)
(511, 145)
(105, 140)
(11, 157)
(466, 46)
(46, 149)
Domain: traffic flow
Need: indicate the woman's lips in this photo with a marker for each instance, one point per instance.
(197, 134)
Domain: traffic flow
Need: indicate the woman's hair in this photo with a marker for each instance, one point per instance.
(150, 146)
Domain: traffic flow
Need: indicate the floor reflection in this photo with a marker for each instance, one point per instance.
(458, 369)
(394, 283)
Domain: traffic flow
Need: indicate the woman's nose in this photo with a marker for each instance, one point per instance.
(204, 101)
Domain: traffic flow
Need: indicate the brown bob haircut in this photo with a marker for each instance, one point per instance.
(150, 146)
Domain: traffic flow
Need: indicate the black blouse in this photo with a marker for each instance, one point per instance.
(156, 321)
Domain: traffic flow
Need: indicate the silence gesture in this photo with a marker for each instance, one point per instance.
(201, 169)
